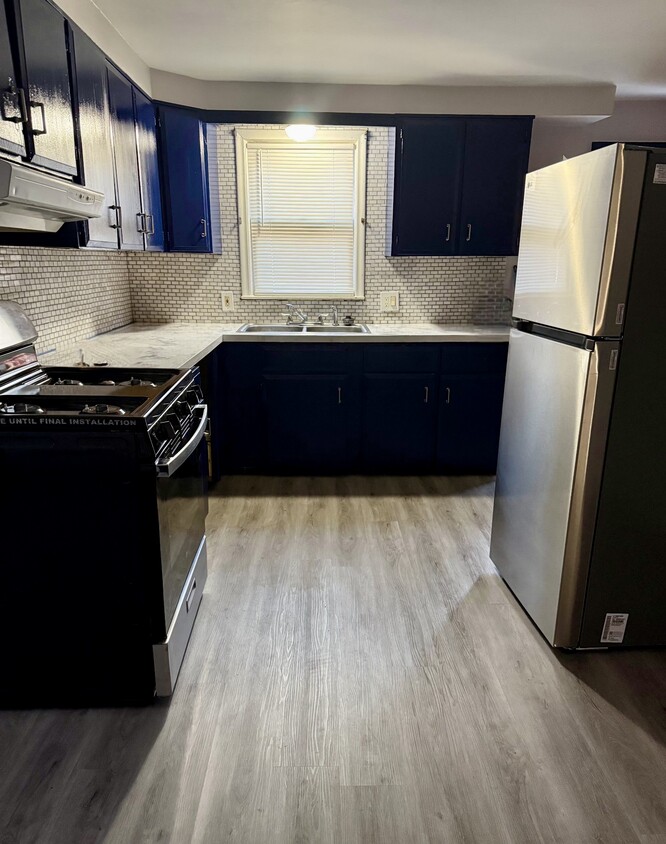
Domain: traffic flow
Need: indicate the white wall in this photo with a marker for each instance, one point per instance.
(98, 27)
(385, 99)
(632, 120)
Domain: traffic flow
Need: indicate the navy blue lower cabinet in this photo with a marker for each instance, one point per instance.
(470, 412)
(399, 422)
(213, 390)
(311, 423)
(290, 408)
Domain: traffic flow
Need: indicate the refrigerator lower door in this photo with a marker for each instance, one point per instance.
(557, 403)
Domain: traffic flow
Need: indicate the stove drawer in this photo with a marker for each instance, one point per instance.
(168, 655)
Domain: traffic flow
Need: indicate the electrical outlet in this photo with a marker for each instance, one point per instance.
(389, 302)
(227, 301)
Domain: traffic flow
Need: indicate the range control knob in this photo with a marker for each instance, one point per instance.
(181, 409)
(166, 430)
(194, 395)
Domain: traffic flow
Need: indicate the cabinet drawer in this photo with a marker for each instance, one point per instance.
(474, 357)
(306, 358)
(402, 357)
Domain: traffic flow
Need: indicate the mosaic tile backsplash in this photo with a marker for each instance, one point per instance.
(69, 294)
(74, 294)
(189, 287)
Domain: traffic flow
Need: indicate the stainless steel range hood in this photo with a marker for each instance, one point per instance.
(34, 201)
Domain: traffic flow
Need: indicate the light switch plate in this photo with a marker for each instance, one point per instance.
(227, 301)
(389, 302)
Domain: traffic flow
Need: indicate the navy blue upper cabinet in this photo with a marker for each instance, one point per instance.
(119, 153)
(149, 175)
(127, 208)
(185, 172)
(428, 176)
(496, 158)
(95, 129)
(13, 108)
(51, 124)
(458, 185)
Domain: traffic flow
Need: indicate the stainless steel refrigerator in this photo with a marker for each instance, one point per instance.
(579, 524)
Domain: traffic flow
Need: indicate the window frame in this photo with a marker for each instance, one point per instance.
(277, 136)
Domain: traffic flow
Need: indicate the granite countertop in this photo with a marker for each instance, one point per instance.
(178, 345)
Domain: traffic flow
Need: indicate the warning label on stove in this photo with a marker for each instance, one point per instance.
(73, 421)
(614, 628)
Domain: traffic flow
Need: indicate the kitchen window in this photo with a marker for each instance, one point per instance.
(301, 214)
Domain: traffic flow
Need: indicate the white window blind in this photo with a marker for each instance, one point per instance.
(301, 207)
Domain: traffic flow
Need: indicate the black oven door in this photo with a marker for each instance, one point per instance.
(182, 505)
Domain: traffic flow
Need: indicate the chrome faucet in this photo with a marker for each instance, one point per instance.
(333, 313)
(295, 315)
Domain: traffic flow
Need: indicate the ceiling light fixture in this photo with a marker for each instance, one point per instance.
(301, 131)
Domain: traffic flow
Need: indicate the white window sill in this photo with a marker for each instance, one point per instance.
(316, 297)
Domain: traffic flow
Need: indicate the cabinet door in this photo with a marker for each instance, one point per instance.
(12, 100)
(49, 91)
(496, 157)
(185, 181)
(310, 423)
(427, 186)
(399, 422)
(470, 413)
(95, 130)
(128, 193)
(151, 200)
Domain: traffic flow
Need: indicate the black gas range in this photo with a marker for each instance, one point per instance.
(104, 492)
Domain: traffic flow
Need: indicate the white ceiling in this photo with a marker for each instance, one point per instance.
(401, 42)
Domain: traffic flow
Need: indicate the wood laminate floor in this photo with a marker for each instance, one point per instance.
(358, 673)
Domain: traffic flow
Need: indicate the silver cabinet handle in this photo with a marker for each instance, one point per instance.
(448, 232)
(339, 395)
(117, 217)
(204, 227)
(40, 106)
(17, 98)
(427, 394)
(448, 395)
(140, 227)
(469, 232)
(150, 230)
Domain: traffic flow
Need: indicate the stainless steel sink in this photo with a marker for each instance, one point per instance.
(337, 329)
(252, 328)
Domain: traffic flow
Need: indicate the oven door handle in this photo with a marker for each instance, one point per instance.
(166, 468)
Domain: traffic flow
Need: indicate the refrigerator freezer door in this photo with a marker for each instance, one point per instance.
(554, 424)
(576, 241)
